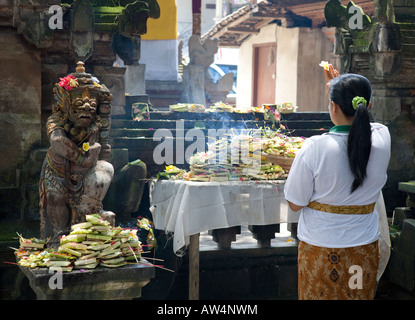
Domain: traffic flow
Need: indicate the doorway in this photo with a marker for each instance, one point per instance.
(264, 74)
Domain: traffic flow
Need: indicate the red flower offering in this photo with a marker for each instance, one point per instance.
(68, 83)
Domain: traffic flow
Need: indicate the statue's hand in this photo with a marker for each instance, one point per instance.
(92, 155)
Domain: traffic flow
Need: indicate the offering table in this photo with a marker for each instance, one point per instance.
(186, 208)
(101, 283)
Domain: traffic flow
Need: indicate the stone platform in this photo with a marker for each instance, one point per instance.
(122, 283)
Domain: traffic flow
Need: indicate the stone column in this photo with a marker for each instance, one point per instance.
(196, 16)
(194, 91)
(113, 78)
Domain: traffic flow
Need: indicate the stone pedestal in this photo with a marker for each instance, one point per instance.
(122, 283)
(194, 92)
(218, 91)
(401, 266)
(134, 78)
(264, 234)
(224, 237)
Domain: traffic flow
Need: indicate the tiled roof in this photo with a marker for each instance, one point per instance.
(237, 27)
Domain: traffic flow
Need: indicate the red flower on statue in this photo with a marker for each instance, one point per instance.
(69, 82)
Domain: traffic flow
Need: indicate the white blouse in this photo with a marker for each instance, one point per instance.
(320, 172)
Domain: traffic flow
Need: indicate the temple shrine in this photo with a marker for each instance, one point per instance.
(90, 143)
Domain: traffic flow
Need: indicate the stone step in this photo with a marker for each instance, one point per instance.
(142, 147)
(147, 128)
(144, 136)
(404, 2)
(408, 40)
(407, 29)
(167, 115)
(404, 15)
(171, 86)
(163, 102)
(105, 18)
(408, 47)
(404, 11)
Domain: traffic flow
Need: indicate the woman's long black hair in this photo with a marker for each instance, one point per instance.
(342, 91)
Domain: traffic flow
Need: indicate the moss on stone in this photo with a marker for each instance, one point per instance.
(108, 10)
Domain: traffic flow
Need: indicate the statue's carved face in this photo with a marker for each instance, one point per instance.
(83, 110)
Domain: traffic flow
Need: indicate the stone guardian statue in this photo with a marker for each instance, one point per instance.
(76, 172)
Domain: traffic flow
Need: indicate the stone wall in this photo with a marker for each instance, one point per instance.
(32, 59)
(20, 104)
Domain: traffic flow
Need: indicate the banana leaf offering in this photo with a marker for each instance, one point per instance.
(89, 244)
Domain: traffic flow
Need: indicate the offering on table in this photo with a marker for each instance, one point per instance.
(281, 149)
(32, 243)
(258, 109)
(282, 145)
(180, 107)
(241, 156)
(287, 108)
(170, 171)
(196, 107)
(187, 107)
(221, 107)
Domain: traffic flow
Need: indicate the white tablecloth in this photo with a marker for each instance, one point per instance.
(187, 207)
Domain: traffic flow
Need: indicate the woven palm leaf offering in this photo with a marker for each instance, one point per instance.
(89, 244)
(221, 107)
(287, 107)
(171, 172)
(195, 107)
(202, 166)
(180, 107)
(281, 149)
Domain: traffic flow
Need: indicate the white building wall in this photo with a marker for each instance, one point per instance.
(287, 65)
(286, 68)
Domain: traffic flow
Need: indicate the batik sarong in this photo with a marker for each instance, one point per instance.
(337, 273)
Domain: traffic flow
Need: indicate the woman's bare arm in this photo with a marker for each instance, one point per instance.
(294, 207)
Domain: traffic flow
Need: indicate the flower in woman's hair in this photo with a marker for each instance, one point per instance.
(69, 82)
(325, 65)
(85, 146)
